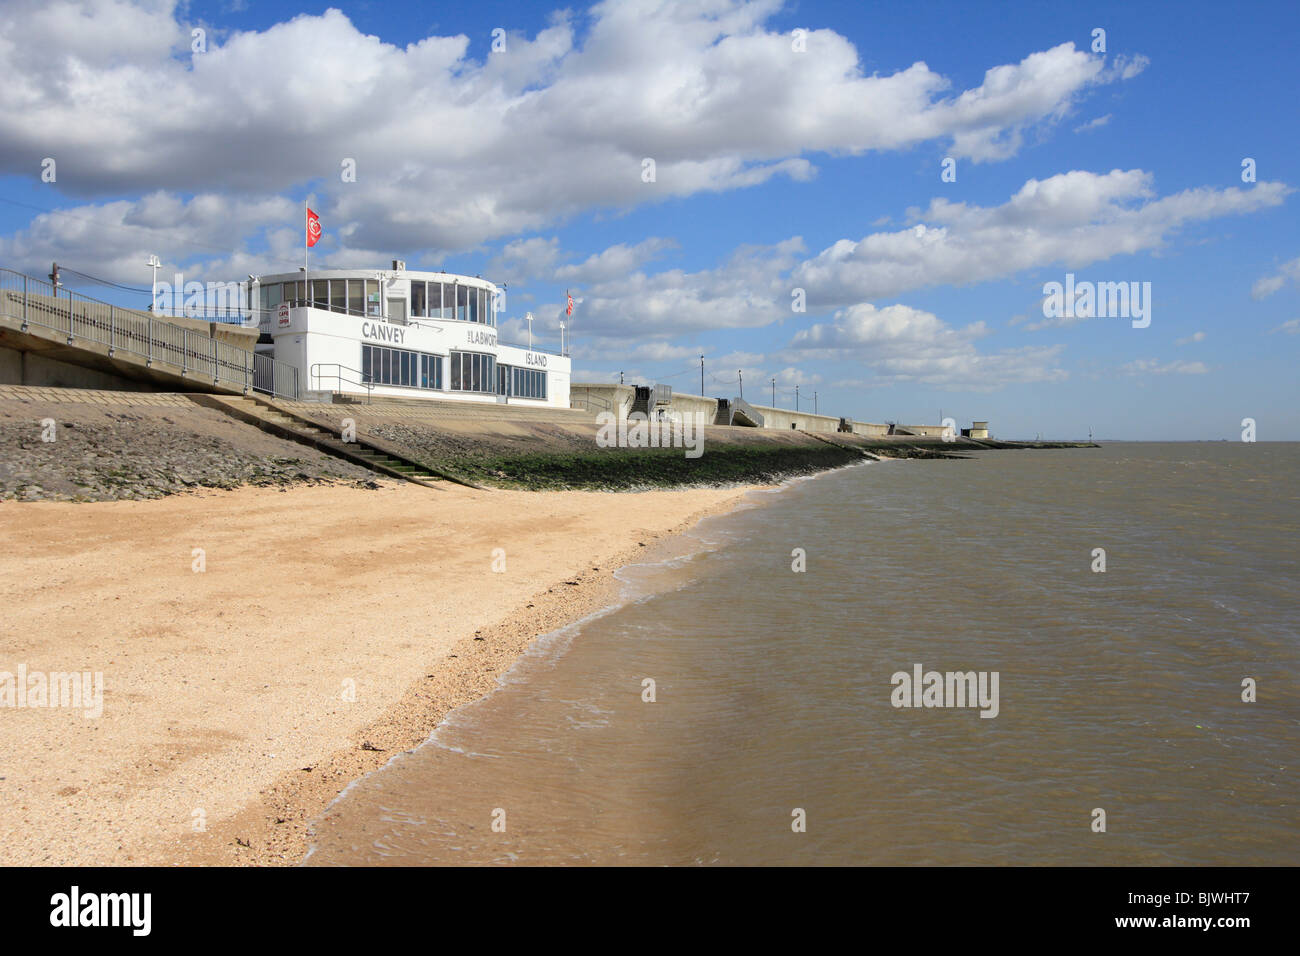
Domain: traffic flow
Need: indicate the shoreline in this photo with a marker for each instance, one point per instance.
(284, 815)
(260, 811)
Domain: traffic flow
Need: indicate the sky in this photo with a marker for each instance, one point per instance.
(868, 201)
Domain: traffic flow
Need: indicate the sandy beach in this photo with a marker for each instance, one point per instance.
(228, 723)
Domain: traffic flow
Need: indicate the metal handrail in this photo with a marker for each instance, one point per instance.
(363, 380)
(34, 301)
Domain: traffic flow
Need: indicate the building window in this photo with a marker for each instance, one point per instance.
(372, 297)
(473, 372)
(527, 382)
(419, 300)
(356, 297)
(385, 366)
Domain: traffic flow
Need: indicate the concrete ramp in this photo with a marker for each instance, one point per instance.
(54, 337)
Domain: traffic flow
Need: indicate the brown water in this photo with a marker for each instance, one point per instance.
(1118, 690)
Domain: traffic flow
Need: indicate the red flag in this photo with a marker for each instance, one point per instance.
(313, 228)
(569, 310)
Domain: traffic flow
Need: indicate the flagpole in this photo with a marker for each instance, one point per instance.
(306, 228)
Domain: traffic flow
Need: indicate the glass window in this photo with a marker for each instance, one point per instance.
(473, 304)
(455, 371)
(366, 351)
(419, 300)
(372, 297)
(462, 302)
(356, 297)
(338, 295)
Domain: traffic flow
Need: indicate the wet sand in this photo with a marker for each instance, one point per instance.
(226, 725)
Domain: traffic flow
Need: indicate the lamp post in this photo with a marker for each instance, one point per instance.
(529, 317)
(154, 264)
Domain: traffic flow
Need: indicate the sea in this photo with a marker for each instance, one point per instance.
(1042, 657)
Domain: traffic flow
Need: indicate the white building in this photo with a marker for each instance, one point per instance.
(402, 334)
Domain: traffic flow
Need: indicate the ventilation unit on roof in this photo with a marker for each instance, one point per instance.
(399, 265)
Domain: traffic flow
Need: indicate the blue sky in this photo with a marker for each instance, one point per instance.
(776, 170)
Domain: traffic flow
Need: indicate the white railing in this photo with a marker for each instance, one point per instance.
(34, 301)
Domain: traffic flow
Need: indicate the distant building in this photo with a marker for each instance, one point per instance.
(976, 430)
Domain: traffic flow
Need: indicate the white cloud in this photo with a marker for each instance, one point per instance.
(1190, 339)
(525, 259)
(1266, 286)
(112, 240)
(1290, 327)
(615, 262)
(1092, 124)
(744, 292)
(451, 150)
(1156, 367)
(903, 344)
(1073, 218)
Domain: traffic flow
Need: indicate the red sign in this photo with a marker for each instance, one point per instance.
(313, 228)
(282, 315)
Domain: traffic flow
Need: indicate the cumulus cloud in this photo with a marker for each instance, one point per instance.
(525, 259)
(614, 262)
(455, 145)
(744, 292)
(1190, 339)
(1263, 288)
(903, 344)
(1074, 219)
(113, 239)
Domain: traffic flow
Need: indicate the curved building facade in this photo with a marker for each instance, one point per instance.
(403, 334)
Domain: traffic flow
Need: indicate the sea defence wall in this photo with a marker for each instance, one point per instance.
(686, 404)
(803, 421)
(597, 397)
(870, 429)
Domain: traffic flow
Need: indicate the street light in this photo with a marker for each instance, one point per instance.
(154, 264)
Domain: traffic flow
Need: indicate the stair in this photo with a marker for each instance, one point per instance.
(642, 401)
(365, 452)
